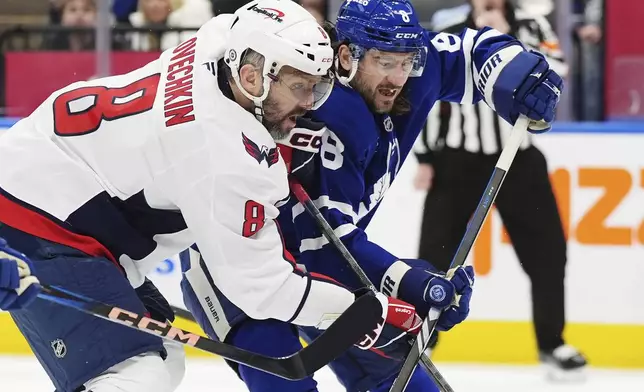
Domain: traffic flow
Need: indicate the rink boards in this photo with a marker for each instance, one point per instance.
(598, 175)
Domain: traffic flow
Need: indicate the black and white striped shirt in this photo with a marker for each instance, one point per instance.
(476, 128)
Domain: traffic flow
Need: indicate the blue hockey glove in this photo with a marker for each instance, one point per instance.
(462, 280)
(420, 284)
(526, 85)
(18, 287)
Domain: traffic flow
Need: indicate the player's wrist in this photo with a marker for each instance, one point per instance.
(412, 289)
(392, 278)
(406, 283)
(410, 281)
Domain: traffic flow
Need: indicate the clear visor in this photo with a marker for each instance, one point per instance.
(306, 91)
(408, 62)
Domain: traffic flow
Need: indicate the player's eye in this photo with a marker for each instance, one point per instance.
(302, 91)
(297, 86)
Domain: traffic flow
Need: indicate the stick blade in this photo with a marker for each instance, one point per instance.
(351, 327)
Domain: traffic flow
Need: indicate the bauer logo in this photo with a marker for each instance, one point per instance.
(437, 293)
(60, 350)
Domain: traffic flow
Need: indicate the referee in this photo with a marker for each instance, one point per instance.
(457, 153)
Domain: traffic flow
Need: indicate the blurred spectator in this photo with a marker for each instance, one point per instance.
(54, 11)
(317, 8)
(122, 9)
(189, 14)
(151, 13)
(192, 14)
(227, 6)
(74, 13)
(537, 7)
(589, 31)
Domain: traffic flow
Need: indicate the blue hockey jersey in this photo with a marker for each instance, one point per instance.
(362, 151)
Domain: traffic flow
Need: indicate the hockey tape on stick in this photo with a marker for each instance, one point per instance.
(474, 227)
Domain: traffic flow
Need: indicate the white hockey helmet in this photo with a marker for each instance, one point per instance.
(285, 34)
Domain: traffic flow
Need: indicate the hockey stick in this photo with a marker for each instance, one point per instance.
(431, 368)
(183, 313)
(485, 204)
(346, 330)
(304, 198)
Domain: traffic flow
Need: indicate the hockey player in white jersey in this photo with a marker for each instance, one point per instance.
(108, 177)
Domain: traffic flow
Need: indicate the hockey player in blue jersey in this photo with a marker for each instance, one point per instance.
(392, 71)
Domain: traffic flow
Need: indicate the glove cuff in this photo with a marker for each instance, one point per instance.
(392, 278)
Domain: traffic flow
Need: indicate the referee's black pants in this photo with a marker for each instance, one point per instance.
(529, 211)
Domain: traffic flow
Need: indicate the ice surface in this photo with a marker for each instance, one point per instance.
(24, 374)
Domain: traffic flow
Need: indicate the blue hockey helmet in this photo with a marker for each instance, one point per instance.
(385, 25)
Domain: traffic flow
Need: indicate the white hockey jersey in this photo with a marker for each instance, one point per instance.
(138, 167)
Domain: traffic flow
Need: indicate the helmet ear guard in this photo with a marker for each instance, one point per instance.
(355, 59)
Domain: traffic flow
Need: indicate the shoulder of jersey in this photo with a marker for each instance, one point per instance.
(347, 115)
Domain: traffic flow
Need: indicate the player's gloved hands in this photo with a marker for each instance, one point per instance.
(389, 338)
(462, 280)
(18, 287)
(422, 285)
(527, 85)
(300, 146)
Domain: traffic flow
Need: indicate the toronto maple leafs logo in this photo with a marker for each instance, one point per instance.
(271, 155)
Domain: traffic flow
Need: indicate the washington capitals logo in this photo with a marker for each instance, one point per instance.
(271, 155)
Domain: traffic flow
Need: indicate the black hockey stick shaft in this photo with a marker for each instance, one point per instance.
(304, 198)
(183, 313)
(358, 320)
(471, 233)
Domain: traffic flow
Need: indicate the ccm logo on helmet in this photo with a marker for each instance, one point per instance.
(407, 35)
(304, 140)
(272, 13)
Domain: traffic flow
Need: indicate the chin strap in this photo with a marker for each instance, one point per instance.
(345, 80)
(259, 112)
(257, 101)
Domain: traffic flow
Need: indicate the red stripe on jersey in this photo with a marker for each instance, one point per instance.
(380, 352)
(31, 222)
(285, 253)
(326, 278)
